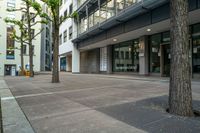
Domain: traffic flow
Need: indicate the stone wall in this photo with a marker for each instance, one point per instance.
(89, 61)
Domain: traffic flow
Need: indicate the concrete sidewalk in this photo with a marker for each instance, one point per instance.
(85, 103)
(14, 120)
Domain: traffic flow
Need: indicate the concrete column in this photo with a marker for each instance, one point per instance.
(75, 59)
(109, 59)
(58, 63)
(143, 56)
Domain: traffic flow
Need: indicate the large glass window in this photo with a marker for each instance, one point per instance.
(126, 57)
(155, 51)
(155, 41)
(120, 5)
(83, 25)
(91, 20)
(96, 17)
(103, 13)
(196, 48)
(110, 8)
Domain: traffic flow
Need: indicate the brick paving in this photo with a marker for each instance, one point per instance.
(90, 103)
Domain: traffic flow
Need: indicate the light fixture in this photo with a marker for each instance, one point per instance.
(114, 40)
(148, 30)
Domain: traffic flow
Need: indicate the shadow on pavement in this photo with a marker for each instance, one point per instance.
(150, 115)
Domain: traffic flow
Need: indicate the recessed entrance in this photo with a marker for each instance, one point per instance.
(165, 59)
(10, 70)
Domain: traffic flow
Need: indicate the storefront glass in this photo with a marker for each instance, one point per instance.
(196, 48)
(63, 64)
(126, 57)
(155, 52)
(155, 41)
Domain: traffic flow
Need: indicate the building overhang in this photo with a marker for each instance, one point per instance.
(161, 26)
(123, 16)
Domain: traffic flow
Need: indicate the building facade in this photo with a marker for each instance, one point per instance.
(129, 36)
(66, 36)
(10, 58)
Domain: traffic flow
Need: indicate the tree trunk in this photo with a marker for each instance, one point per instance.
(22, 57)
(55, 72)
(180, 93)
(30, 41)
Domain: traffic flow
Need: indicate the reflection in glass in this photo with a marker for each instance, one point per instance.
(155, 41)
(83, 25)
(96, 17)
(120, 5)
(196, 48)
(126, 57)
(91, 20)
(110, 9)
(103, 13)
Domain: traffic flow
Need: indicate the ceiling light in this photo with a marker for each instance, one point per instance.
(148, 30)
(114, 40)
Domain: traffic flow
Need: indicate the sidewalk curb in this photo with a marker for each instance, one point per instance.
(14, 120)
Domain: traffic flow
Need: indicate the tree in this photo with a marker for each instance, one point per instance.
(180, 93)
(22, 38)
(31, 10)
(56, 21)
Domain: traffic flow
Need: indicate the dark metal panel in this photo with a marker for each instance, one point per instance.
(119, 29)
(99, 37)
(161, 13)
(138, 22)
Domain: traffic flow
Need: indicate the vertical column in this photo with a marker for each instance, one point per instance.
(75, 59)
(109, 59)
(59, 63)
(143, 56)
(98, 60)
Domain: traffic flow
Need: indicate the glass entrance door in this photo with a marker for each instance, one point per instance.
(165, 60)
(167, 57)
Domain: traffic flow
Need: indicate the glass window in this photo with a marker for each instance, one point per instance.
(126, 57)
(91, 20)
(198, 3)
(116, 63)
(60, 39)
(166, 37)
(10, 52)
(47, 32)
(103, 13)
(65, 13)
(155, 41)
(70, 9)
(24, 49)
(120, 5)
(65, 36)
(96, 17)
(47, 46)
(83, 25)
(70, 32)
(196, 48)
(33, 49)
(47, 60)
(110, 8)
(63, 63)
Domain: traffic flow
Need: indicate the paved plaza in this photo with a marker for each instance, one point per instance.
(90, 103)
